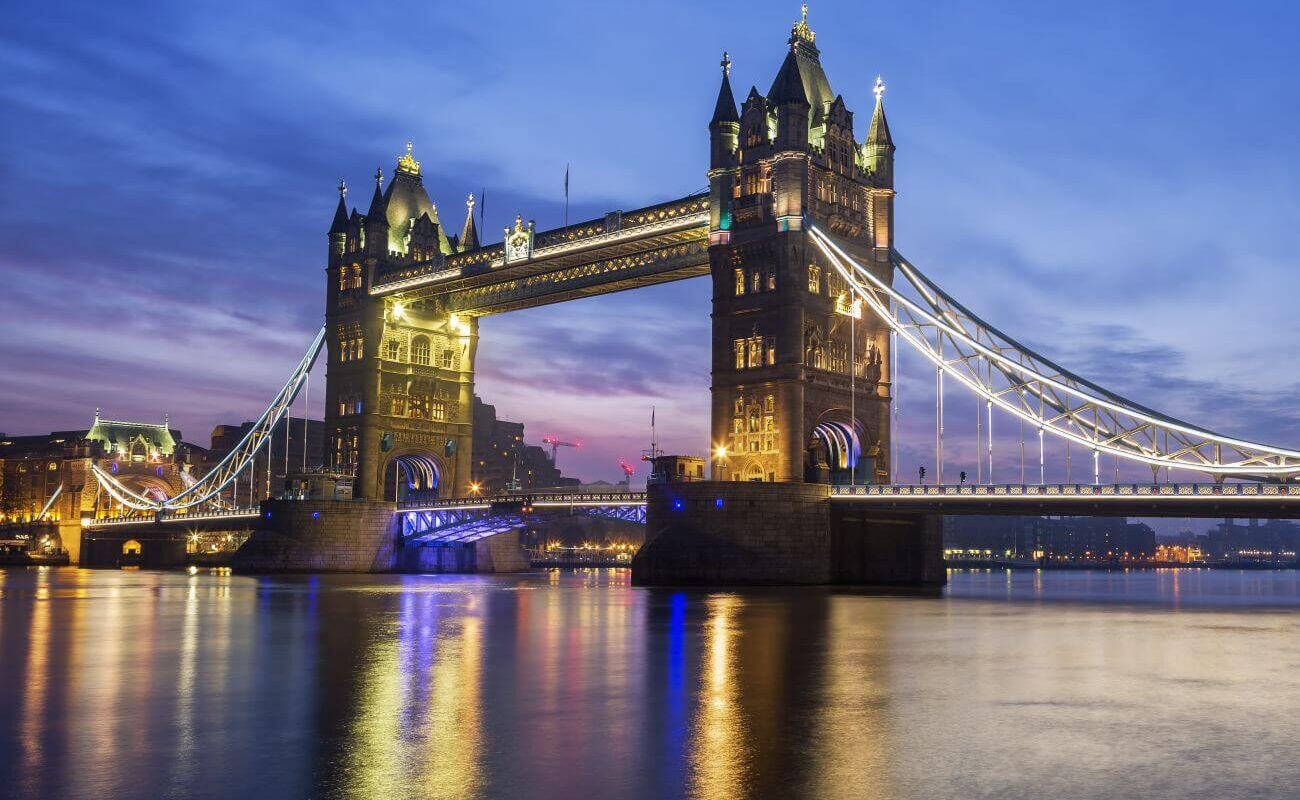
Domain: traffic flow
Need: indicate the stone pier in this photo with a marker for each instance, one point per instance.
(717, 533)
(360, 536)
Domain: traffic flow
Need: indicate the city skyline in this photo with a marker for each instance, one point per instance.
(167, 252)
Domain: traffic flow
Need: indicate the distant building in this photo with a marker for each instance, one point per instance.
(1066, 538)
(150, 459)
(501, 459)
(1268, 541)
(227, 437)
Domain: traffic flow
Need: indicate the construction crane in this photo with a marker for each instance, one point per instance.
(628, 469)
(556, 444)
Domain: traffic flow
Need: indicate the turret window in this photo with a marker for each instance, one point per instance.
(740, 282)
(420, 350)
(814, 279)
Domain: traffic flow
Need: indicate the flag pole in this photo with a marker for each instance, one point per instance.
(566, 199)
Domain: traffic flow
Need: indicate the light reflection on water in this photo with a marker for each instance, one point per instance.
(1011, 685)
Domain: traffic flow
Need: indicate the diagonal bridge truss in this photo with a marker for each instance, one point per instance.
(208, 488)
(1011, 377)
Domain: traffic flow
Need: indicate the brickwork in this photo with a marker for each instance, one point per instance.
(321, 536)
(360, 536)
(722, 533)
(734, 533)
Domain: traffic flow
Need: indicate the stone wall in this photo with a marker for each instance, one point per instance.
(360, 536)
(721, 533)
(321, 536)
(886, 548)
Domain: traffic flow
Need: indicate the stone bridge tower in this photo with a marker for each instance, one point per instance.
(400, 382)
(787, 347)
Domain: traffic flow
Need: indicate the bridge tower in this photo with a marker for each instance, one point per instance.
(801, 387)
(400, 381)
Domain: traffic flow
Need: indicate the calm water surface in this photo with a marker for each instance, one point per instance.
(1178, 684)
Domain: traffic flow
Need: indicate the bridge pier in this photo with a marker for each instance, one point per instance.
(360, 536)
(725, 533)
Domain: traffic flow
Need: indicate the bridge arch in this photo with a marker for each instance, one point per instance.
(841, 439)
(413, 473)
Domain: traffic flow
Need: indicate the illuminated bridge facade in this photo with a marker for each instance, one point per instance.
(812, 301)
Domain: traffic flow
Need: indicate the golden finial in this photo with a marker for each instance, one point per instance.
(801, 29)
(407, 162)
(879, 89)
(343, 188)
(726, 64)
(469, 203)
(379, 177)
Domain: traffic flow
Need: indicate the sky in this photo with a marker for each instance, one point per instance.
(1117, 184)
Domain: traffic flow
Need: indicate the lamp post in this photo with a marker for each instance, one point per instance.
(720, 455)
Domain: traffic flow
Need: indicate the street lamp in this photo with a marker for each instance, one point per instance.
(720, 453)
(475, 487)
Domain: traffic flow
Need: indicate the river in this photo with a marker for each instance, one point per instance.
(572, 684)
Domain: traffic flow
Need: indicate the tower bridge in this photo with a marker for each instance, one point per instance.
(811, 302)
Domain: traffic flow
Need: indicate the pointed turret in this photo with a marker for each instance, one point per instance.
(340, 224)
(725, 109)
(376, 211)
(878, 149)
(724, 128)
(376, 229)
(469, 234)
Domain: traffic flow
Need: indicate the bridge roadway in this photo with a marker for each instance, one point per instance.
(208, 520)
(1244, 500)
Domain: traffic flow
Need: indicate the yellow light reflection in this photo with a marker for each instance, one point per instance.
(720, 749)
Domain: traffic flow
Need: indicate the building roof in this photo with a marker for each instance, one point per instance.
(119, 436)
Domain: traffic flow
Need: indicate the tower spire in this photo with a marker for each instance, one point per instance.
(469, 234)
(878, 135)
(377, 201)
(725, 109)
(340, 224)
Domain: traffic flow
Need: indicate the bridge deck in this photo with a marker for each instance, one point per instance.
(623, 250)
(1267, 500)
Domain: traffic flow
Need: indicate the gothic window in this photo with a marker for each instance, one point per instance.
(399, 406)
(814, 278)
(839, 357)
(448, 356)
(394, 350)
(438, 410)
(740, 282)
(771, 280)
(769, 350)
(740, 353)
(420, 350)
(769, 423)
(758, 281)
(753, 420)
(738, 425)
(419, 407)
(740, 405)
(361, 350)
(755, 351)
(769, 404)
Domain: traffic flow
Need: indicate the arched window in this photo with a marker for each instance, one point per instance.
(394, 350)
(420, 350)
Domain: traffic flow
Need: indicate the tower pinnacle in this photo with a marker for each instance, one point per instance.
(879, 90)
(379, 177)
(801, 31)
(407, 163)
(725, 64)
(343, 188)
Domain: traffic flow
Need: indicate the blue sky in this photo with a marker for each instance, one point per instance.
(1114, 183)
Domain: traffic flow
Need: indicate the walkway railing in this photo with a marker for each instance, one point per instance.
(1176, 491)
